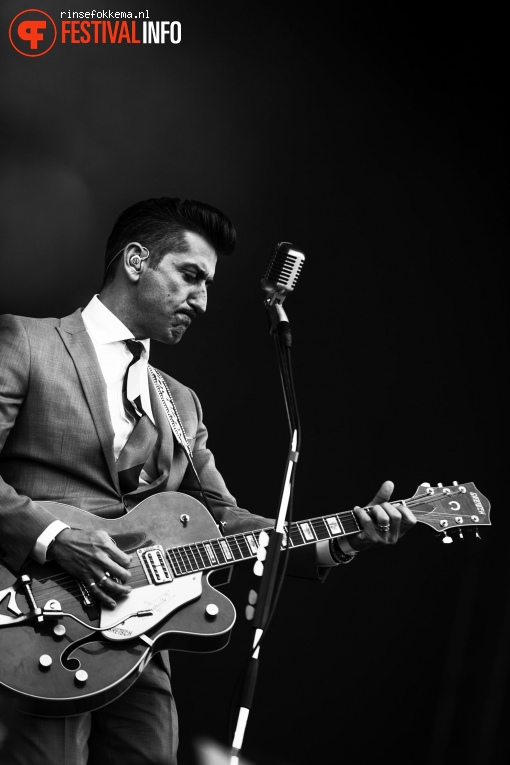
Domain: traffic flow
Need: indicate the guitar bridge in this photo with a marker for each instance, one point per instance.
(154, 564)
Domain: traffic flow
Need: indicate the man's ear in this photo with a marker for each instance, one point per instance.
(133, 256)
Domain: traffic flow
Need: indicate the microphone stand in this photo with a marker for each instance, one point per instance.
(265, 602)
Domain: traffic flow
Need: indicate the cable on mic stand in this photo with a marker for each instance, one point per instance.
(278, 281)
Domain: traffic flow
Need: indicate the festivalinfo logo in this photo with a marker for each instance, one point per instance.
(34, 32)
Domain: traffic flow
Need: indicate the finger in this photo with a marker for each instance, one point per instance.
(384, 493)
(116, 554)
(103, 597)
(114, 590)
(382, 518)
(109, 566)
(367, 525)
(407, 518)
(395, 519)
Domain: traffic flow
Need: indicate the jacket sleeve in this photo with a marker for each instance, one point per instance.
(21, 520)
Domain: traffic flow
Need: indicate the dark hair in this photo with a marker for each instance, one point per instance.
(161, 224)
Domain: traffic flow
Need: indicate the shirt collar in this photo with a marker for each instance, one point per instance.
(104, 327)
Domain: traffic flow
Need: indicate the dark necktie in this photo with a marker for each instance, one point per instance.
(142, 439)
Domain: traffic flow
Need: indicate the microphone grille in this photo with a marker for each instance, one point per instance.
(283, 268)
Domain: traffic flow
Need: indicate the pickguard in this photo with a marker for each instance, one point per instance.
(161, 599)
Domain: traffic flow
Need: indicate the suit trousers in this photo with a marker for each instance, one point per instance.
(139, 728)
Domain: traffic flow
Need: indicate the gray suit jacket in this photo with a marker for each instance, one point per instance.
(56, 436)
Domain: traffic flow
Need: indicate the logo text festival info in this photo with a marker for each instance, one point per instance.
(34, 32)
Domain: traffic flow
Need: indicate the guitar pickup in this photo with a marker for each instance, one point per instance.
(154, 564)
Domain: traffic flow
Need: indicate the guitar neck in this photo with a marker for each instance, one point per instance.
(441, 508)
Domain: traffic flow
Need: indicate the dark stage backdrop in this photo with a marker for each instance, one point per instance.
(374, 141)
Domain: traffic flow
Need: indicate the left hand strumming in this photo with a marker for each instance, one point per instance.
(384, 523)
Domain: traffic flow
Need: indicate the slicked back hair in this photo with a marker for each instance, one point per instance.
(161, 224)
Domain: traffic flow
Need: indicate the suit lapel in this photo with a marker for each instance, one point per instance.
(81, 349)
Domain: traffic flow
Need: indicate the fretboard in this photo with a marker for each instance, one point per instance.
(223, 551)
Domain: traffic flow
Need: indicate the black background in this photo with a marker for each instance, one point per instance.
(373, 140)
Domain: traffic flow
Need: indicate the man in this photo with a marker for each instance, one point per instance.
(75, 395)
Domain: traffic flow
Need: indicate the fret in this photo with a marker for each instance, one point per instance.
(296, 535)
(175, 560)
(320, 528)
(203, 554)
(188, 566)
(203, 559)
(196, 557)
(191, 557)
(243, 546)
(252, 544)
(178, 560)
(212, 555)
(234, 546)
(349, 522)
(307, 531)
(227, 552)
(334, 525)
(219, 552)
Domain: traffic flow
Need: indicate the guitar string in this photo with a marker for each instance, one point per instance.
(240, 540)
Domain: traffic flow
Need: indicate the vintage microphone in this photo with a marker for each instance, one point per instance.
(278, 281)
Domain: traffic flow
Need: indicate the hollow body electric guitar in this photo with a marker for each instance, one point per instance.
(61, 654)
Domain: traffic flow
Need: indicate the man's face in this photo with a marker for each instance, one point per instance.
(169, 297)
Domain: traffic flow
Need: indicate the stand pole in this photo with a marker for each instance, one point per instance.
(279, 327)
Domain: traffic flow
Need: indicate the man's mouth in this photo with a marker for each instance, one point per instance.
(183, 319)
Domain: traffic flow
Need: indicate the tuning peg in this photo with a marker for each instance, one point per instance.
(446, 540)
(249, 612)
(258, 568)
(440, 485)
(426, 485)
(455, 483)
(461, 535)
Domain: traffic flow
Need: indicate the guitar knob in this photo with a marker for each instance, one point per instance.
(59, 631)
(45, 662)
(81, 677)
(211, 611)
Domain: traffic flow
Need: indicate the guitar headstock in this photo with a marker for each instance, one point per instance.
(445, 508)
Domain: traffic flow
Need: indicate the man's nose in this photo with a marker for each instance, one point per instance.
(197, 299)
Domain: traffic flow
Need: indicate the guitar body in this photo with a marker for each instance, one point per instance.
(112, 659)
(61, 655)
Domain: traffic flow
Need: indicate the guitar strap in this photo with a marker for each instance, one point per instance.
(175, 422)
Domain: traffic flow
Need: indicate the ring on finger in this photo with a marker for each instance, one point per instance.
(383, 527)
(103, 579)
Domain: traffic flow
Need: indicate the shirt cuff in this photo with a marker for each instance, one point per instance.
(44, 540)
(324, 556)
